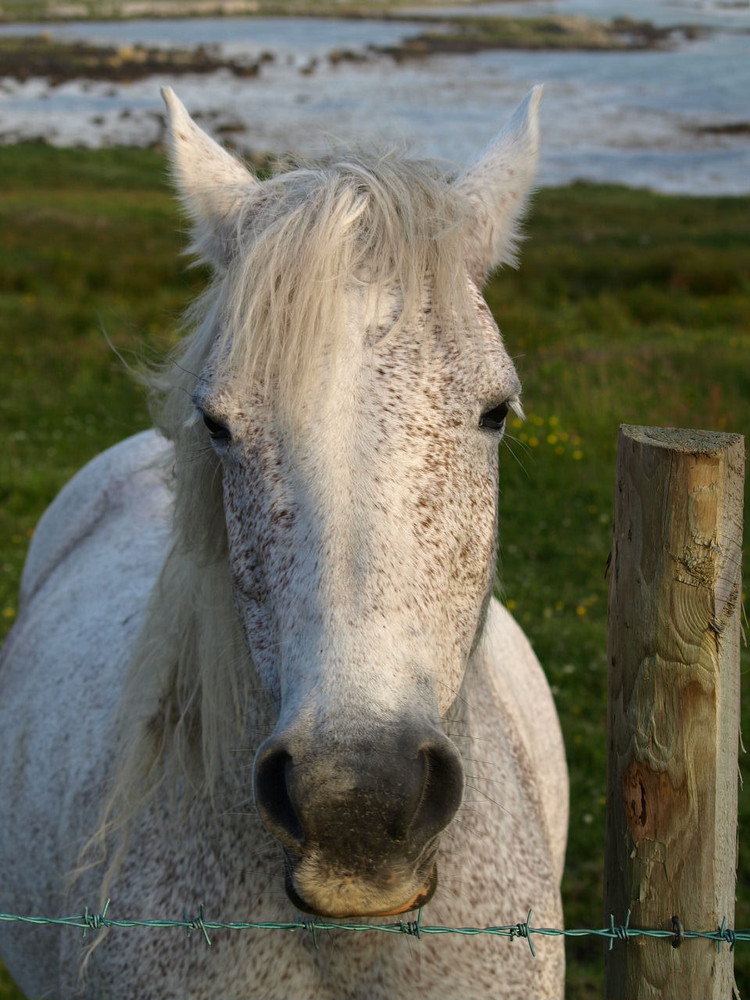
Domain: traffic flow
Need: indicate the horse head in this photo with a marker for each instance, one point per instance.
(349, 397)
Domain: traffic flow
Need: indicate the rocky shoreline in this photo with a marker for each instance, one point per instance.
(574, 33)
(23, 58)
(57, 60)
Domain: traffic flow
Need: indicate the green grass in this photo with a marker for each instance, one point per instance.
(629, 308)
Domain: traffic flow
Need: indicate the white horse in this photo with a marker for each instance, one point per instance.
(257, 663)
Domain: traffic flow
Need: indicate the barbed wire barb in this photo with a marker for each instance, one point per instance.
(412, 927)
(311, 926)
(619, 932)
(725, 934)
(95, 921)
(525, 931)
(197, 924)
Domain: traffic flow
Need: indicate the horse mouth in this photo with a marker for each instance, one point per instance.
(418, 900)
(364, 908)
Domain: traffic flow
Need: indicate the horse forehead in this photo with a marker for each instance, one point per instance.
(387, 365)
(446, 366)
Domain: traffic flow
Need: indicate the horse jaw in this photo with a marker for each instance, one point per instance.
(499, 184)
(213, 185)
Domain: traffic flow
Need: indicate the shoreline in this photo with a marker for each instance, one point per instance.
(38, 56)
(57, 60)
(473, 34)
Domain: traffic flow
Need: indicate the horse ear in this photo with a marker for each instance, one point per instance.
(499, 185)
(212, 184)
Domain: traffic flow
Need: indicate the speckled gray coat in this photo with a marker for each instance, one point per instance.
(361, 557)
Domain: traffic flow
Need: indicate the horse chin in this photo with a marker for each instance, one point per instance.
(325, 904)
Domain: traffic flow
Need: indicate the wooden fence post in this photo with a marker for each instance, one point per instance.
(673, 717)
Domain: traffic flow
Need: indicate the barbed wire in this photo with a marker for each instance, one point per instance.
(87, 921)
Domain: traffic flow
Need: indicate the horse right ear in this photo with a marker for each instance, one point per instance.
(499, 185)
(212, 184)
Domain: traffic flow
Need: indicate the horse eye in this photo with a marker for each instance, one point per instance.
(216, 431)
(494, 419)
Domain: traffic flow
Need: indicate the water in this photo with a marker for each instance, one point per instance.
(636, 118)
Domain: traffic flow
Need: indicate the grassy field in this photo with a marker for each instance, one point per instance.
(629, 308)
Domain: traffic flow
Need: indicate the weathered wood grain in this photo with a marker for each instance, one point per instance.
(673, 660)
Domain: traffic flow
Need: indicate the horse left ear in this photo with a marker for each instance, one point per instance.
(212, 184)
(499, 185)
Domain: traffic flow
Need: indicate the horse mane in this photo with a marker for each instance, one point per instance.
(376, 220)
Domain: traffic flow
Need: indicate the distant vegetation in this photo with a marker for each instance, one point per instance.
(628, 307)
(475, 34)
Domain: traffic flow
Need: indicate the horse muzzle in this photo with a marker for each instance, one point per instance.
(359, 822)
(313, 888)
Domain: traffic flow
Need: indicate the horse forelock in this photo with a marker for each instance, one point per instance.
(374, 220)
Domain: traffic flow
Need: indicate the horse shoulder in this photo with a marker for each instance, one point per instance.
(520, 687)
(92, 496)
(92, 564)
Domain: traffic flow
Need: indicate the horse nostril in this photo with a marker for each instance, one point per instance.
(272, 796)
(442, 791)
(370, 802)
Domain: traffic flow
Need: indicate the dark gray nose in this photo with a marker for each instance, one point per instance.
(393, 792)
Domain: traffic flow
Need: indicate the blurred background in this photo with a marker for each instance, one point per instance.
(649, 94)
